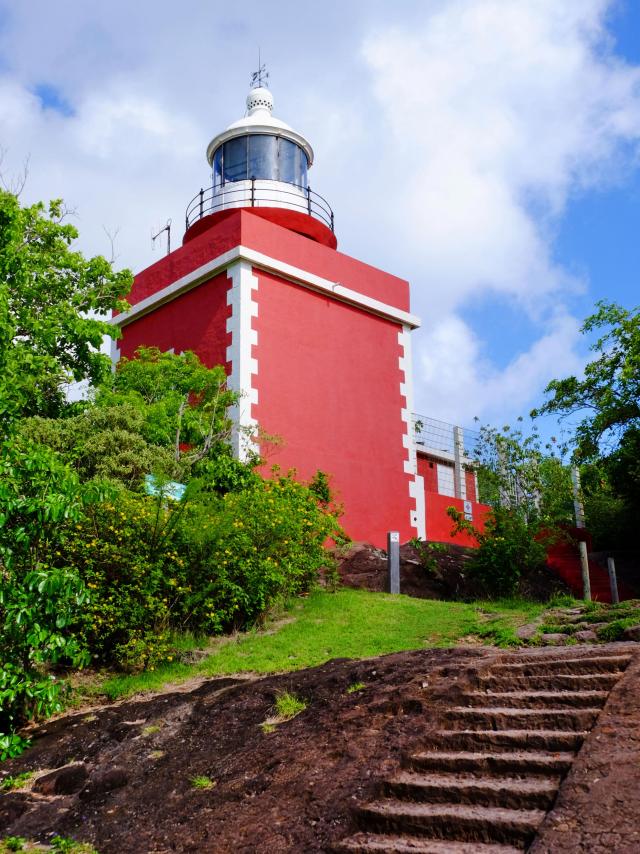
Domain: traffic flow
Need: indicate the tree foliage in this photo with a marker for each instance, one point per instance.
(92, 567)
(159, 413)
(51, 303)
(608, 397)
(607, 437)
(517, 472)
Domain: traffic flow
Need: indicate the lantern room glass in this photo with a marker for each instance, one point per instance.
(261, 156)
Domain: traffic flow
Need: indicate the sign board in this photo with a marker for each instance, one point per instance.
(394, 537)
(170, 489)
(468, 511)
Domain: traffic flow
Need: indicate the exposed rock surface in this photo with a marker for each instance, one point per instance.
(295, 789)
(440, 573)
(598, 808)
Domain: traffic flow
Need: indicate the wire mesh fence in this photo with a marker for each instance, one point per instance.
(439, 437)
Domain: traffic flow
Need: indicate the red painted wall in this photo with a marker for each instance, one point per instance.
(187, 258)
(329, 384)
(328, 380)
(195, 321)
(241, 227)
(439, 525)
(285, 245)
(470, 485)
(428, 469)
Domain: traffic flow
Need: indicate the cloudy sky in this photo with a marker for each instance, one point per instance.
(486, 150)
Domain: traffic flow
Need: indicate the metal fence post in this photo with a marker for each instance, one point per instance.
(584, 563)
(578, 506)
(393, 561)
(613, 581)
(458, 472)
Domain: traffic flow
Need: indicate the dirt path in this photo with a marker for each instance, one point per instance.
(123, 778)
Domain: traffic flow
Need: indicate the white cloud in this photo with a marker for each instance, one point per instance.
(495, 112)
(448, 145)
(463, 384)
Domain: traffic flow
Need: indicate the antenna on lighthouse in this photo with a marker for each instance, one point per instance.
(154, 237)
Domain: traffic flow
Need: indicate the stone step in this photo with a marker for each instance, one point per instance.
(510, 792)
(451, 821)
(555, 682)
(489, 740)
(576, 720)
(588, 664)
(368, 843)
(536, 699)
(519, 762)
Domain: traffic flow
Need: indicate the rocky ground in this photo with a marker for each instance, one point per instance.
(123, 777)
(440, 572)
(588, 623)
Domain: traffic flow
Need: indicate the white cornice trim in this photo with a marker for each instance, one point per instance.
(268, 264)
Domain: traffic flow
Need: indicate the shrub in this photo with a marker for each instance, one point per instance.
(258, 546)
(39, 598)
(207, 564)
(507, 547)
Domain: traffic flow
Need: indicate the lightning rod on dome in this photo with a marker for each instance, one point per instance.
(261, 76)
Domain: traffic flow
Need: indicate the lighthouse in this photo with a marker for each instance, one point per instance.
(316, 343)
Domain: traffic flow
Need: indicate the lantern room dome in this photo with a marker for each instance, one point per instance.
(259, 120)
(262, 163)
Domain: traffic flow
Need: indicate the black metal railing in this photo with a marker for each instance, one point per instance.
(256, 192)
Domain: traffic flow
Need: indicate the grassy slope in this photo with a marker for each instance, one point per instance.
(346, 624)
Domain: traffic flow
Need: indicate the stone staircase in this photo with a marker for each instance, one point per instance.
(483, 783)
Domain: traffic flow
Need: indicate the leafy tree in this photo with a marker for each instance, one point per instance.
(608, 397)
(159, 413)
(516, 472)
(530, 493)
(184, 404)
(51, 302)
(607, 438)
(49, 335)
(38, 600)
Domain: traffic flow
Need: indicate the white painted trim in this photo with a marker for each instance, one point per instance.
(175, 289)
(264, 262)
(239, 354)
(416, 484)
(335, 289)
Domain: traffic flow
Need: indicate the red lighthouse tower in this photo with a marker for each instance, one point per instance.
(318, 344)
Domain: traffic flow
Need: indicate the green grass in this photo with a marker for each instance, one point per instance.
(202, 782)
(287, 705)
(345, 624)
(10, 783)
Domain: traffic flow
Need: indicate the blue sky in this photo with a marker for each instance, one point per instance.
(487, 150)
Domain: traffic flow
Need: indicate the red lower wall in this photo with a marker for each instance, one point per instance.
(328, 385)
(440, 525)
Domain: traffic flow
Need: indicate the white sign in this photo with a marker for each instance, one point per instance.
(394, 537)
(468, 511)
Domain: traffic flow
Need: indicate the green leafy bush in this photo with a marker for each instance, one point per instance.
(207, 564)
(508, 546)
(39, 599)
(257, 546)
